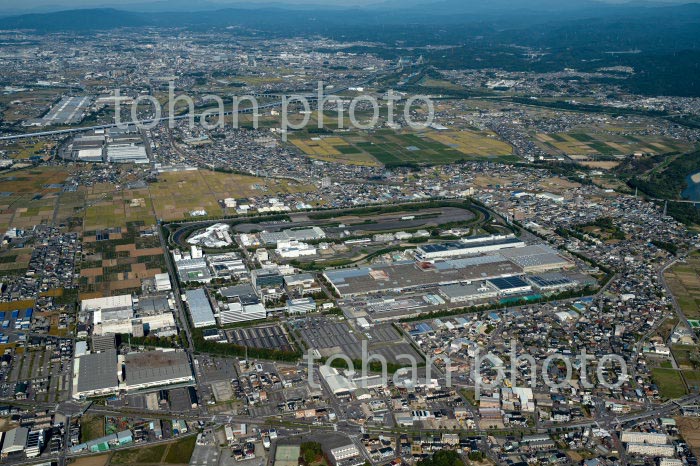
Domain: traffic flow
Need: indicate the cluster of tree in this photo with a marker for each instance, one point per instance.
(328, 286)
(639, 165)
(606, 224)
(312, 130)
(443, 458)
(666, 246)
(669, 183)
(150, 340)
(373, 366)
(310, 452)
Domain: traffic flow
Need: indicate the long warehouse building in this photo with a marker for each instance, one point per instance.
(156, 369)
(413, 276)
(201, 312)
(468, 247)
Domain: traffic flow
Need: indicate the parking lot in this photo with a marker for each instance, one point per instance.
(383, 333)
(37, 372)
(324, 334)
(211, 369)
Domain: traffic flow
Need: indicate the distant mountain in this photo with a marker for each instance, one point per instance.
(584, 34)
(75, 20)
(502, 14)
(478, 6)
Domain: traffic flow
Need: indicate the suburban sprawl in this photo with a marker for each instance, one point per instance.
(516, 283)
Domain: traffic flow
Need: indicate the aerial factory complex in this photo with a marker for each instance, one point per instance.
(206, 261)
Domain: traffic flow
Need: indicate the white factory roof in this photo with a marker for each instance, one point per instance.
(337, 382)
(108, 302)
(163, 282)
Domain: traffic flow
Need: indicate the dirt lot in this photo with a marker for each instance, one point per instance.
(99, 460)
(690, 430)
(601, 165)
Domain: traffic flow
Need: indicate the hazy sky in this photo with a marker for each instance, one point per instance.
(7, 6)
(15, 5)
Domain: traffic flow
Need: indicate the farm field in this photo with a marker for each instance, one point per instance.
(334, 149)
(117, 260)
(92, 427)
(108, 210)
(23, 150)
(11, 305)
(180, 451)
(179, 193)
(689, 428)
(142, 455)
(692, 380)
(27, 104)
(16, 260)
(686, 356)
(592, 144)
(473, 143)
(176, 452)
(28, 197)
(670, 383)
(684, 282)
(393, 148)
(97, 460)
(602, 165)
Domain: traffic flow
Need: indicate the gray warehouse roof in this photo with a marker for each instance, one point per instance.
(244, 292)
(534, 255)
(156, 366)
(200, 308)
(15, 440)
(463, 290)
(98, 371)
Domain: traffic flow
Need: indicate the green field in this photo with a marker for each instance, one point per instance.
(692, 380)
(92, 427)
(684, 282)
(141, 455)
(670, 383)
(392, 148)
(180, 451)
(608, 143)
(177, 194)
(686, 356)
(119, 209)
(396, 149)
(177, 452)
(29, 197)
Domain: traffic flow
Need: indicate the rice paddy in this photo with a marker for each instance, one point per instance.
(592, 144)
(392, 148)
(684, 282)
